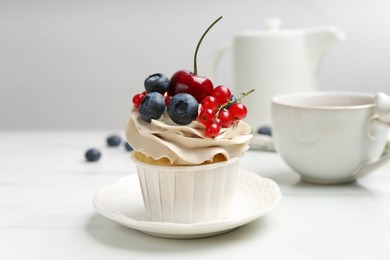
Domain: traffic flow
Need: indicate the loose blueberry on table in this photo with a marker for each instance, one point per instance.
(93, 155)
(188, 97)
(114, 140)
(265, 130)
(128, 147)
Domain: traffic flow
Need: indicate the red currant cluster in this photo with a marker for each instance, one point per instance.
(137, 99)
(221, 110)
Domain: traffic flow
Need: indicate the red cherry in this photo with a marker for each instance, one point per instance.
(187, 82)
(222, 94)
(210, 102)
(137, 99)
(206, 116)
(212, 130)
(238, 111)
(226, 118)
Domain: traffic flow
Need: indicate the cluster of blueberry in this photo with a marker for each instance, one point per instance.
(265, 130)
(182, 108)
(93, 154)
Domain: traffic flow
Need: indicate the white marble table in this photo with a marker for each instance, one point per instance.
(46, 189)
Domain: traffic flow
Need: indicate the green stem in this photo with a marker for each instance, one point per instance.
(244, 95)
(200, 41)
(237, 100)
(234, 101)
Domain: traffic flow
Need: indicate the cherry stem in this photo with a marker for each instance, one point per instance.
(200, 41)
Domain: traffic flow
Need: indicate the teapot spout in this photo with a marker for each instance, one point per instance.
(319, 41)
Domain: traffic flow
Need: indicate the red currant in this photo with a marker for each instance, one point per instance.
(218, 122)
(212, 130)
(206, 116)
(167, 100)
(210, 102)
(238, 111)
(137, 99)
(226, 118)
(222, 94)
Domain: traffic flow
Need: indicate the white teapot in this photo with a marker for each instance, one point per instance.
(275, 61)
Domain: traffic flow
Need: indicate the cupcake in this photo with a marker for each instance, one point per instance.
(186, 176)
(187, 138)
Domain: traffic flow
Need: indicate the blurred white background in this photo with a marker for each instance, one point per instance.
(76, 64)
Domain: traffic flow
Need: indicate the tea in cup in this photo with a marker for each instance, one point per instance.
(331, 137)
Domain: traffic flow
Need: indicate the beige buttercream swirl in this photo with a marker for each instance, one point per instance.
(185, 144)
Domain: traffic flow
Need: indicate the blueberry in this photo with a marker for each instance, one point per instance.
(128, 147)
(113, 140)
(92, 155)
(157, 82)
(152, 106)
(265, 130)
(232, 99)
(183, 108)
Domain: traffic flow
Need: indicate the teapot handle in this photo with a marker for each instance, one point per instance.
(216, 57)
(380, 118)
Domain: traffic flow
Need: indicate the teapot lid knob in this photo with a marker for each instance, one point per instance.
(273, 24)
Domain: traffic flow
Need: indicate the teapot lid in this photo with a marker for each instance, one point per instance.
(273, 24)
(272, 28)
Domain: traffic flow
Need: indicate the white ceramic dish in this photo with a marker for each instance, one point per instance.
(122, 202)
(262, 143)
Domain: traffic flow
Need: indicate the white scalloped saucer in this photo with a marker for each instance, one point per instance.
(122, 202)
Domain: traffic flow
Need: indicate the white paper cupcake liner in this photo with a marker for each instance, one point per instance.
(188, 194)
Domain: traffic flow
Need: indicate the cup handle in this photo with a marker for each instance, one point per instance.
(216, 57)
(368, 167)
(382, 107)
(381, 118)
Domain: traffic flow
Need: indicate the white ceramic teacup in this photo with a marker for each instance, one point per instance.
(331, 137)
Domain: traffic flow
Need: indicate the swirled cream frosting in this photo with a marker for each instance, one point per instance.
(185, 145)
